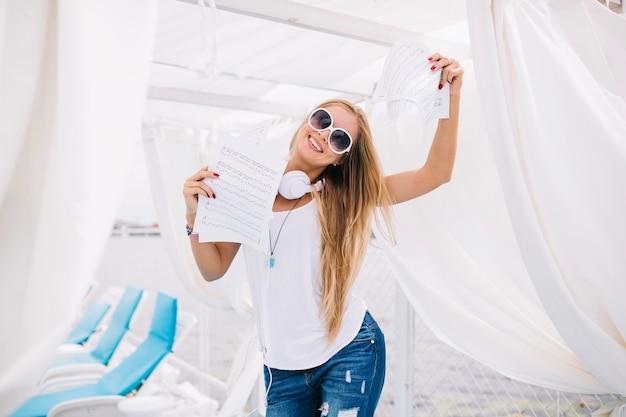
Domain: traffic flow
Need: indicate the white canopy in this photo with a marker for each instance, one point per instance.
(518, 262)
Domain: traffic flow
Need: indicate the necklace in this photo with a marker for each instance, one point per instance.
(272, 249)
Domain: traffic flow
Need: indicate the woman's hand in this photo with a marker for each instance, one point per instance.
(194, 186)
(452, 72)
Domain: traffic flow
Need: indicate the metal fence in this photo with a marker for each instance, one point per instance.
(425, 377)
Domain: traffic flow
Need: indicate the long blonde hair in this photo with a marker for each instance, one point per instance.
(353, 192)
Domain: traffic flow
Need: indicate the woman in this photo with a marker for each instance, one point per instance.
(324, 354)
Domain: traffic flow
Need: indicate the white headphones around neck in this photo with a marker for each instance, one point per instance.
(295, 184)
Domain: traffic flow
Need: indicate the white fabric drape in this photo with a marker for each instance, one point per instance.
(520, 261)
(72, 88)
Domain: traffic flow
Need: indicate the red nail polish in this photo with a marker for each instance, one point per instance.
(440, 87)
(213, 196)
(430, 58)
(433, 67)
(215, 174)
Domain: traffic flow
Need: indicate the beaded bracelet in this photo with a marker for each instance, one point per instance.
(190, 232)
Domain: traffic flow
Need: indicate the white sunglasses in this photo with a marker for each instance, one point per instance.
(339, 140)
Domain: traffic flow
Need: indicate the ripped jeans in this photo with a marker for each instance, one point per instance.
(348, 385)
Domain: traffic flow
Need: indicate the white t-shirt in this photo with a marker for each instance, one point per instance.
(287, 296)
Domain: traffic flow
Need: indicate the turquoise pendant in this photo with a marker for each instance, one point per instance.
(272, 262)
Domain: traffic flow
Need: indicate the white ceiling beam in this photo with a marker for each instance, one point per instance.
(328, 21)
(182, 95)
(225, 101)
(356, 91)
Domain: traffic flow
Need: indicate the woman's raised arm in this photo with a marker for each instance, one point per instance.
(437, 169)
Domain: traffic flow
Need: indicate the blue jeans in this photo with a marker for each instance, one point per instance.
(348, 385)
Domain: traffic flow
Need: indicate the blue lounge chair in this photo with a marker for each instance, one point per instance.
(88, 323)
(125, 377)
(109, 340)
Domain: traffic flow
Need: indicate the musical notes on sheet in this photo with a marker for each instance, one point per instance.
(245, 192)
(408, 85)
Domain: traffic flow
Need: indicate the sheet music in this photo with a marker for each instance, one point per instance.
(408, 85)
(257, 135)
(245, 192)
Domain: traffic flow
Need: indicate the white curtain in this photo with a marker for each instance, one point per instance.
(520, 261)
(73, 80)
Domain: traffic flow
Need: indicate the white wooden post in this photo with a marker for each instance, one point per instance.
(405, 347)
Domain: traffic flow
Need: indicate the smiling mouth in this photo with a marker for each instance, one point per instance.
(315, 145)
